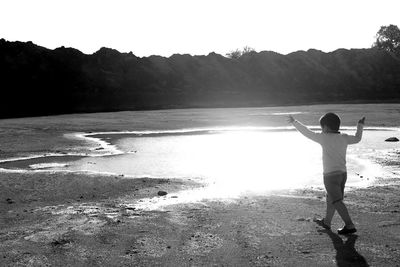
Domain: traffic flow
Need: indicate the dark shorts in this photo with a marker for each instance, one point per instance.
(334, 185)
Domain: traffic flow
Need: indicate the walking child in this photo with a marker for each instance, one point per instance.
(334, 146)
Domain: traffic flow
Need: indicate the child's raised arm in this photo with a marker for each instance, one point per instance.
(354, 139)
(304, 130)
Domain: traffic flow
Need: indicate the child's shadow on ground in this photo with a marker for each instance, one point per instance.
(346, 254)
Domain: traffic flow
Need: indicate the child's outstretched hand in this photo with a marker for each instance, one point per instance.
(362, 121)
(290, 119)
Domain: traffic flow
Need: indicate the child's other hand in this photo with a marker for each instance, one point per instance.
(290, 119)
(362, 121)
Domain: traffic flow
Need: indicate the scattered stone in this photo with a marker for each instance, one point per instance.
(162, 193)
(392, 139)
(60, 242)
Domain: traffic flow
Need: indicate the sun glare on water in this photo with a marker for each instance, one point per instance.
(241, 162)
(230, 163)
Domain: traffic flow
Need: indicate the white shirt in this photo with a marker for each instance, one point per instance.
(334, 146)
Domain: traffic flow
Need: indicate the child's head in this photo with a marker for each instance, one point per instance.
(330, 122)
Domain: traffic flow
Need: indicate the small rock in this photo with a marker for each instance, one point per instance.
(60, 242)
(162, 193)
(174, 196)
(392, 139)
(10, 201)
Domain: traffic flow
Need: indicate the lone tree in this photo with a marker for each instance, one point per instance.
(388, 38)
(235, 54)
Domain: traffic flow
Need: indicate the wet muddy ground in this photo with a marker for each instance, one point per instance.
(88, 220)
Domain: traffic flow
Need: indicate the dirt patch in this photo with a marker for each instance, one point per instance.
(111, 229)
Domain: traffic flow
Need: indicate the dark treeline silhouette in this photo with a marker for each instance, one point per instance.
(39, 81)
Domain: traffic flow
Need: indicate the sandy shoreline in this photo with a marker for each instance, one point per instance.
(78, 219)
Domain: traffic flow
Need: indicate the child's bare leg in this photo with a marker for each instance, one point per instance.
(344, 213)
(330, 211)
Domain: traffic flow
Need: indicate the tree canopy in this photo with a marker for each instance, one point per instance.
(388, 38)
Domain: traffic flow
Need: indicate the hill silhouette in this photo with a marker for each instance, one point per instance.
(39, 81)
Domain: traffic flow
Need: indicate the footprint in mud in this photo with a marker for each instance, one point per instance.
(148, 246)
(202, 243)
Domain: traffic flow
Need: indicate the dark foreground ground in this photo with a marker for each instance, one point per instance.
(53, 219)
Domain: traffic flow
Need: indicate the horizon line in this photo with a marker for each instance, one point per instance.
(181, 54)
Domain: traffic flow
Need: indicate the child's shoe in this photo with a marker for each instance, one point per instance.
(345, 230)
(322, 223)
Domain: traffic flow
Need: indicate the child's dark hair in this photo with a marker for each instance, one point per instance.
(331, 120)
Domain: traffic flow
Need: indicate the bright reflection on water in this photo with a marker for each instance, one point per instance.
(231, 163)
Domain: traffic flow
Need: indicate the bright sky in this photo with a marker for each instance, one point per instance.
(197, 27)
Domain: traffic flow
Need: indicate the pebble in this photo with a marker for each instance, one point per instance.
(162, 193)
